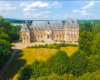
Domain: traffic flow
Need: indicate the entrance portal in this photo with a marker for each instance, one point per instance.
(47, 36)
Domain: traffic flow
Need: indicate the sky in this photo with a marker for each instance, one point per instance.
(50, 10)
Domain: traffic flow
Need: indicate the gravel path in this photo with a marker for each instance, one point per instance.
(7, 63)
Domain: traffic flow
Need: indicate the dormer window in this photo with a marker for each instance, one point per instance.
(72, 21)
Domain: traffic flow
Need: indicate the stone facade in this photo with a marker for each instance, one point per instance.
(50, 30)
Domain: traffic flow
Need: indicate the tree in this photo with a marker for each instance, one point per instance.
(39, 70)
(96, 45)
(86, 42)
(2, 29)
(5, 36)
(90, 76)
(89, 25)
(60, 65)
(25, 73)
(94, 63)
(82, 28)
(86, 26)
(9, 30)
(78, 63)
(5, 52)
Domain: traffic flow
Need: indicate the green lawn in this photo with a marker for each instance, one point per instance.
(27, 56)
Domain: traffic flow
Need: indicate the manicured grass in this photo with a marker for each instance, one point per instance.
(29, 55)
(69, 50)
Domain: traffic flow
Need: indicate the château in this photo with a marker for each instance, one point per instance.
(50, 30)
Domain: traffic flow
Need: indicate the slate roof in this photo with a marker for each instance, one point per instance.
(24, 27)
(45, 24)
(54, 25)
(71, 23)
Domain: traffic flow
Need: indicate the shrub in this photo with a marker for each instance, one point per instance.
(56, 46)
(78, 63)
(25, 73)
(60, 62)
(90, 76)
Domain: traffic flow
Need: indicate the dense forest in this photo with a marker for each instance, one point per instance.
(8, 34)
(84, 64)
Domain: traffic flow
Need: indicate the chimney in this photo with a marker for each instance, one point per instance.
(29, 23)
(26, 23)
(38, 28)
(60, 28)
(34, 28)
(76, 20)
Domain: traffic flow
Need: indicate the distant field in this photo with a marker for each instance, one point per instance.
(16, 23)
(28, 55)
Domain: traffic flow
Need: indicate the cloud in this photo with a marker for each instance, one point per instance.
(23, 4)
(90, 4)
(46, 12)
(55, 4)
(36, 15)
(26, 9)
(66, 15)
(0, 4)
(10, 8)
(41, 14)
(34, 6)
(79, 11)
(26, 14)
(85, 13)
(6, 7)
(82, 12)
(75, 10)
(37, 4)
(46, 16)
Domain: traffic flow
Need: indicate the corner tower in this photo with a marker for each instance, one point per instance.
(25, 33)
(71, 30)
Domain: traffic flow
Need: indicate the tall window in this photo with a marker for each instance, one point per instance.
(54, 36)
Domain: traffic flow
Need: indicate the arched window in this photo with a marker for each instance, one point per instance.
(38, 36)
(57, 36)
(35, 36)
(24, 38)
(41, 36)
(60, 35)
(27, 38)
